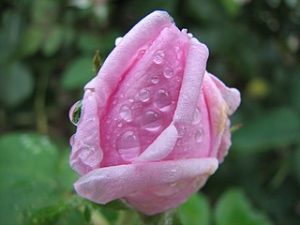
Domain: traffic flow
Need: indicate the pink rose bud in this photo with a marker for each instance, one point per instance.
(153, 124)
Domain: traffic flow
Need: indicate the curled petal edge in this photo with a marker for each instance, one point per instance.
(106, 184)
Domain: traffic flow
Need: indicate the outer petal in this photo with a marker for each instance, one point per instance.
(225, 142)
(86, 152)
(109, 183)
(231, 95)
(220, 103)
(192, 80)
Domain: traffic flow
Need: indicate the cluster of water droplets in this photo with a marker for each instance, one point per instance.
(146, 109)
(190, 136)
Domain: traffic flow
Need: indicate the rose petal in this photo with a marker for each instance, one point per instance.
(220, 104)
(231, 95)
(225, 142)
(86, 152)
(193, 75)
(162, 146)
(125, 54)
(106, 184)
(164, 197)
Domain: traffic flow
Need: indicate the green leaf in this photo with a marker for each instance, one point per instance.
(65, 175)
(74, 217)
(53, 41)
(10, 33)
(296, 91)
(232, 6)
(44, 12)
(78, 73)
(117, 205)
(16, 84)
(195, 211)
(27, 170)
(165, 218)
(279, 127)
(233, 208)
(32, 40)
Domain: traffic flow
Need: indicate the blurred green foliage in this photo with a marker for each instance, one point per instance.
(46, 57)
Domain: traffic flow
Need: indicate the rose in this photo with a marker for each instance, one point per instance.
(154, 124)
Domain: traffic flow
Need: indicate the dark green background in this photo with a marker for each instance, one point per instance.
(46, 51)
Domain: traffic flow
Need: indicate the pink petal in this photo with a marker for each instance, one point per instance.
(231, 95)
(86, 153)
(162, 146)
(225, 142)
(193, 75)
(221, 102)
(106, 184)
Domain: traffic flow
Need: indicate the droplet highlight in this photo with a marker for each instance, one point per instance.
(163, 100)
(151, 120)
(155, 80)
(125, 113)
(72, 140)
(128, 145)
(181, 131)
(196, 117)
(199, 135)
(118, 40)
(158, 57)
(144, 95)
(75, 112)
(168, 72)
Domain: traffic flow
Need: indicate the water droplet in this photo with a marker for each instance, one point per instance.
(165, 190)
(197, 116)
(72, 140)
(158, 58)
(173, 170)
(151, 120)
(118, 40)
(181, 131)
(131, 100)
(125, 113)
(199, 135)
(155, 80)
(144, 95)
(128, 145)
(168, 72)
(89, 155)
(141, 53)
(184, 30)
(173, 184)
(75, 112)
(162, 100)
(178, 52)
